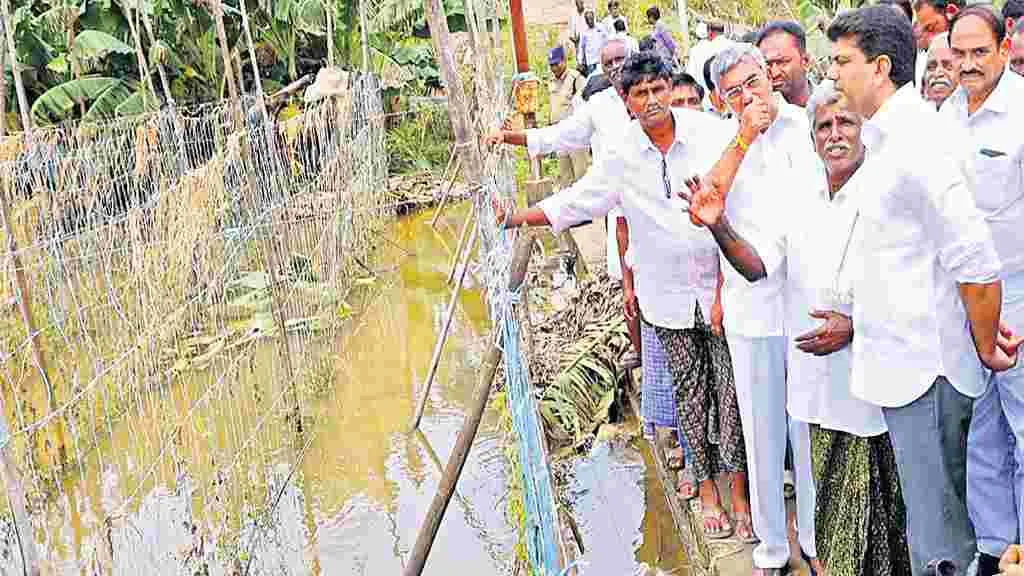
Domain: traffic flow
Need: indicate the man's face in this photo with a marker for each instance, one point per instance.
(853, 74)
(941, 75)
(613, 9)
(1017, 54)
(787, 66)
(743, 83)
(612, 57)
(837, 138)
(978, 56)
(649, 101)
(588, 16)
(927, 23)
(558, 69)
(579, 5)
(685, 96)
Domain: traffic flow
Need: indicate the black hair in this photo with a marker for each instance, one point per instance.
(648, 43)
(880, 31)
(707, 74)
(903, 5)
(644, 66)
(750, 37)
(987, 14)
(940, 5)
(654, 13)
(794, 29)
(619, 25)
(684, 79)
(597, 83)
(1013, 9)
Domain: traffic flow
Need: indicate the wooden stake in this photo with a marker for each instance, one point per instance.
(19, 86)
(443, 337)
(464, 441)
(458, 247)
(447, 191)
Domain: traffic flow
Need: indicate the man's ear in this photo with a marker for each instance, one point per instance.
(951, 10)
(884, 65)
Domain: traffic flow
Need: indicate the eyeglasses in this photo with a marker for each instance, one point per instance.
(751, 84)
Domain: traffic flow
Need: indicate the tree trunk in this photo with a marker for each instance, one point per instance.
(329, 17)
(229, 69)
(3, 85)
(140, 55)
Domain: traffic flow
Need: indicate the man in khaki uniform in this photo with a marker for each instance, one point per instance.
(565, 83)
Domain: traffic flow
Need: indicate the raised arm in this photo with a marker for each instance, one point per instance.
(707, 207)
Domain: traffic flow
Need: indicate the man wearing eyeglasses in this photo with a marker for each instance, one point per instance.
(770, 155)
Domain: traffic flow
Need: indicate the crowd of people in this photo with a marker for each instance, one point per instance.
(819, 277)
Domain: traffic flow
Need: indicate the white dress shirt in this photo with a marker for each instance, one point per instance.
(996, 150)
(577, 24)
(779, 161)
(920, 235)
(599, 121)
(815, 244)
(676, 262)
(592, 40)
(608, 23)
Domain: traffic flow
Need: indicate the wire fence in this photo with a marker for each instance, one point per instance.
(212, 246)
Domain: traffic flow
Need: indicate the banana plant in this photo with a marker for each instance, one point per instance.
(285, 20)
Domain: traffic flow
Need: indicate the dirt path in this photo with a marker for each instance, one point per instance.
(547, 11)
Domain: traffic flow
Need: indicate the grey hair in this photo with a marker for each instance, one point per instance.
(824, 95)
(733, 55)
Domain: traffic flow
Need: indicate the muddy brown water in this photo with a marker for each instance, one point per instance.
(355, 503)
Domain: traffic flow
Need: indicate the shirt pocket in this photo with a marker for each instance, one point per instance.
(997, 182)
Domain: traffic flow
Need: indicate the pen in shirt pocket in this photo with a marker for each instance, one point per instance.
(992, 153)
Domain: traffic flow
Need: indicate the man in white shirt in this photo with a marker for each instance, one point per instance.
(931, 18)
(925, 281)
(1017, 48)
(940, 74)
(770, 156)
(614, 15)
(988, 102)
(622, 34)
(577, 24)
(675, 261)
(592, 41)
(784, 45)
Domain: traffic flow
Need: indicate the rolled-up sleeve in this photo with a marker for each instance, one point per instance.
(572, 133)
(964, 241)
(591, 197)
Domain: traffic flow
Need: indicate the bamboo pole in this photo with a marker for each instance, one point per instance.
(464, 441)
(229, 69)
(140, 55)
(458, 246)
(3, 86)
(329, 17)
(164, 83)
(19, 86)
(363, 36)
(443, 337)
(450, 181)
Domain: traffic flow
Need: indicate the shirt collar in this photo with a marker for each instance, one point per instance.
(877, 128)
(642, 142)
(998, 102)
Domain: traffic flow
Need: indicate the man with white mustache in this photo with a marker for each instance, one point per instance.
(987, 104)
(940, 75)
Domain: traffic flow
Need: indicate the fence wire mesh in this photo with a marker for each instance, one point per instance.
(171, 247)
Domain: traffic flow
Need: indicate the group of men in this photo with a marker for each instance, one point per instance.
(859, 245)
(590, 36)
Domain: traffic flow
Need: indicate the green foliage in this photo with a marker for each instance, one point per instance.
(419, 59)
(105, 95)
(422, 141)
(92, 46)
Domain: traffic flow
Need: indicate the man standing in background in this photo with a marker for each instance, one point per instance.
(931, 18)
(564, 85)
(1017, 48)
(592, 41)
(941, 75)
(577, 24)
(665, 45)
(614, 15)
(784, 45)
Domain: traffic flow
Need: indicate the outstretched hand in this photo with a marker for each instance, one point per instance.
(500, 211)
(707, 204)
(832, 336)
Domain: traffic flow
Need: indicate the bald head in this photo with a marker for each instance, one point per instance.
(613, 55)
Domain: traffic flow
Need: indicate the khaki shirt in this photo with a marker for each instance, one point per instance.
(561, 93)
